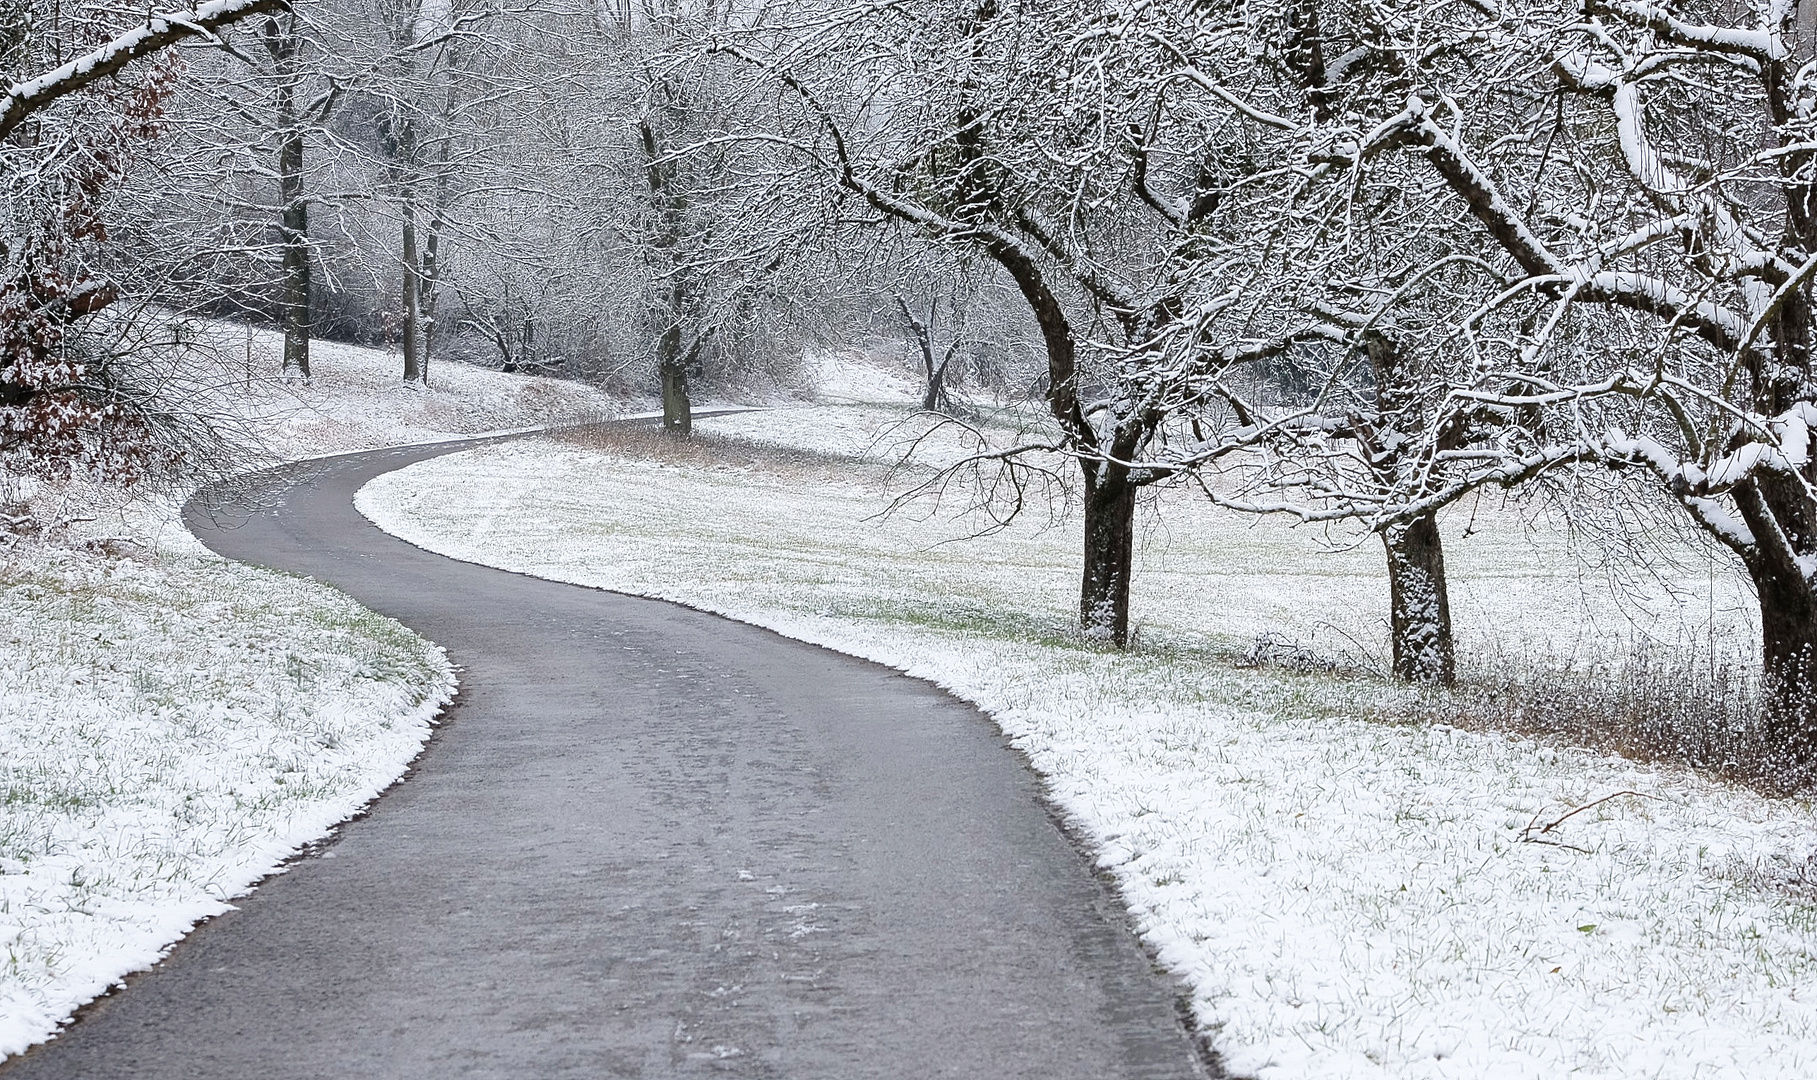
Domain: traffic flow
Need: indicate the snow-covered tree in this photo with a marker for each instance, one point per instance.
(73, 397)
(1310, 347)
(1640, 180)
(984, 127)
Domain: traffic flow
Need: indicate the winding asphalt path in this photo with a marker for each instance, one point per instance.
(645, 842)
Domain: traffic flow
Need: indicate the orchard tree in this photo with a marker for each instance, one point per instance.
(962, 320)
(293, 54)
(935, 396)
(982, 127)
(1157, 222)
(722, 232)
(681, 333)
(1301, 349)
(1642, 178)
(262, 111)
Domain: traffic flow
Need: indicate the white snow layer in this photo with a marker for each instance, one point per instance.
(1345, 899)
(847, 377)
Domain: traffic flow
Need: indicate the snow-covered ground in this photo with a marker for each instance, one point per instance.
(173, 726)
(1345, 898)
(356, 398)
(844, 378)
(1518, 587)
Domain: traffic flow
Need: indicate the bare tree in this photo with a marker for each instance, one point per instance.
(286, 43)
(935, 397)
(963, 123)
(681, 335)
(1297, 354)
(28, 96)
(1640, 178)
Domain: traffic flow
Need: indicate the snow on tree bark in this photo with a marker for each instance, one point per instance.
(1658, 259)
(296, 282)
(22, 99)
(1419, 608)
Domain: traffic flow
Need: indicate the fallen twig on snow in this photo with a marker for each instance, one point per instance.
(1530, 836)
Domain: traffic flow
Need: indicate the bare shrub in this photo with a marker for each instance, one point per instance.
(1289, 654)
(1653, 705)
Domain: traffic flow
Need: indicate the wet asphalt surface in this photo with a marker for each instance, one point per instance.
(645, 842)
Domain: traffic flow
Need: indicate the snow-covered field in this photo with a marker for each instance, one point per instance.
(356, 399)
(173, 726)
(1345, 898)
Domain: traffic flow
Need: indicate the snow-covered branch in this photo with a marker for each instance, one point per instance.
(1766, 44)
(22, 99)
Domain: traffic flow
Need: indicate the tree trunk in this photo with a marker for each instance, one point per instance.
(298, 282)
(677, 410)
(1788, 638)
(429, 287)
(1776, 508)
(1419, 610)
(935, 398)
(427, 294)
(399, 136)
(426, 305)
(413, 370)
(671, 362)
(1110, 543)
(1110, 499)
(672, 367)
(295, 284)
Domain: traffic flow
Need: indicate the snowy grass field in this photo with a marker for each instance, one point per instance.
(1344, 897)
(174, 726)
(356, 400)
(170, 730)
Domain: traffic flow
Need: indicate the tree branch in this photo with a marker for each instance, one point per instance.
(22, 99)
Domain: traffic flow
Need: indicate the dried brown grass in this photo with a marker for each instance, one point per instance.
(649, 442)
(1654, 705)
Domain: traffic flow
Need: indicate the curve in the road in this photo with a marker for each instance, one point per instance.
(645, 842)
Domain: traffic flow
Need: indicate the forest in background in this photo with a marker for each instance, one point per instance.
(1348, 263)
